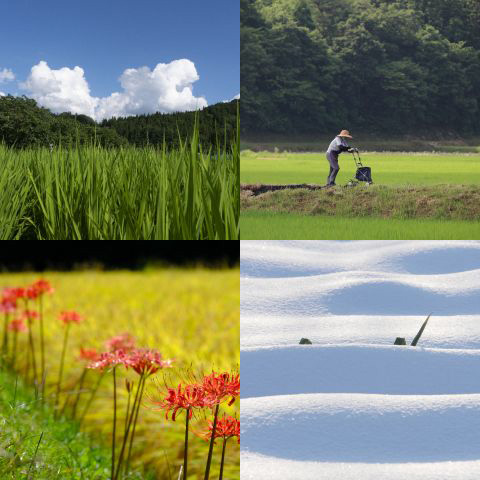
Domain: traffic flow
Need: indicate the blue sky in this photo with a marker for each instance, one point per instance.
(106, 37)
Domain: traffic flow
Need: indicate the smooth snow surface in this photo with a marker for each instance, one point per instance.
(352, 405)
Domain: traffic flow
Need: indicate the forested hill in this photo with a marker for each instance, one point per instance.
(23, 124)
(385, 66)
(214, 121)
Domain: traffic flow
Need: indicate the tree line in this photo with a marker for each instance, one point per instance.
(383, 66)
(25, 124)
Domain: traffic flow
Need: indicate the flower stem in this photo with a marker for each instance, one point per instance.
(60, 373)
(32, 349)
(114, 421)
(210, 449)
(142, 381)
(42, 348)
(185, 454)
(90, 400)
(79, 390)
(223, 458)
(14, 356)
(127, 416)
(5, 335)
(128, 425)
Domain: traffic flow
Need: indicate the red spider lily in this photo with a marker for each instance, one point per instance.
(14, 293)
(146, 362)
(124, 341)
(129, 387)
(30, 315)
(42, 286)
(17, 325)
(186, 398)
(191, 396)
(227, 427)
(8, 304)
(108, 359)
(89, 354)
(70, 317)
(31, 292)
(217, 387)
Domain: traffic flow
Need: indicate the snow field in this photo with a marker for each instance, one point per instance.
(353, 406)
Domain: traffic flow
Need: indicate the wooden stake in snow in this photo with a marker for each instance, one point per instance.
(419, 334)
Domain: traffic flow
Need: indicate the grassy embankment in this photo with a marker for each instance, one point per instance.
(190, 315)
(90, 193)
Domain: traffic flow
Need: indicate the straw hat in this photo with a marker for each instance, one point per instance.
(344, 133)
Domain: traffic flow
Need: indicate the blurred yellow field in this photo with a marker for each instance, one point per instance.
(190, 315)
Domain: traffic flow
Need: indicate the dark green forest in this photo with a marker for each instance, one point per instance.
(379, 66)
(24, 124)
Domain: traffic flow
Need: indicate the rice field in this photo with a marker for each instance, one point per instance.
(189, 315)
(287, 226)
(387, 168)
(90, 193)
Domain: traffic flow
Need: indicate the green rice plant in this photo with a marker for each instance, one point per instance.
(14, 195)
(130, 193)
(261, 225)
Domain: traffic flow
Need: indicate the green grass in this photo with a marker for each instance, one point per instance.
(89, 193)
(63, 452)
(281, 226)
(439, 202)
(387, 168)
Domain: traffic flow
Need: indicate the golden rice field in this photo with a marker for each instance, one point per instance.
(190, 315)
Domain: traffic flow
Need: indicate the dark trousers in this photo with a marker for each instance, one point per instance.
(332, 158)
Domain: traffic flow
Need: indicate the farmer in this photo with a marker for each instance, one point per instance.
(338, 145)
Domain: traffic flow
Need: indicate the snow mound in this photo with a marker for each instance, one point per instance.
(360, 292)
(256, 466)
(358, 369)
(454, 331)
(363, 428)
(302, 258)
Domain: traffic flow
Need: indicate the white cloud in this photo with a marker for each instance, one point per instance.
(63, 90)
(6, 75)
(2, 94)
(166, 88)
(236, 97)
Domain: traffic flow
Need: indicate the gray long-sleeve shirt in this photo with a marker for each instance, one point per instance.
(337, 142)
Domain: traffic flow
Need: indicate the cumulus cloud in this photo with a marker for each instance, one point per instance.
(6, 75)
(166, 88)
(2, 94)
(63, 90)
